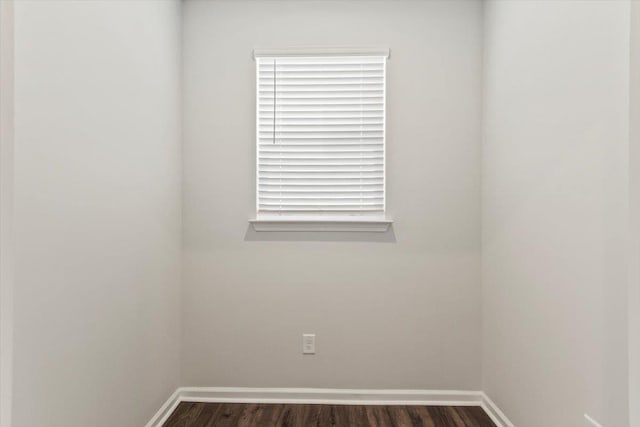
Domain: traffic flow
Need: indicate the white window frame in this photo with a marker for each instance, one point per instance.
(332, 222)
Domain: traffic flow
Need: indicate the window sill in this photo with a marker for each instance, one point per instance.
(371, 225)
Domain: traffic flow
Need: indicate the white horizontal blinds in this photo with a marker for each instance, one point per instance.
(321, 135)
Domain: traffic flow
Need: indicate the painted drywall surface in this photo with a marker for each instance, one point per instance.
(98, 211)
(634, 216)
(555, 210)
(398, 310)
(6, 211)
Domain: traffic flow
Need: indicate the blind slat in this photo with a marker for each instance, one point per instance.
(354, 97)
(327, 103)
(318, 85)
(320, 76)
(322, 191)
(278, 149)
(301, 183)
(296, 162)
(319, 170)
(318, 209)
(323, 121)
(266, 144)
(284, 111)
(315, 68)
(302, 137)
(319, 82)
(323, 180)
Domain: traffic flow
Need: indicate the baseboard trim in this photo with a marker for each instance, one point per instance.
(329, 396)
(165, 410)
(494, 412)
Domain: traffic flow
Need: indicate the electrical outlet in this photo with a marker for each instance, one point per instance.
(590, 422)
(308, 343)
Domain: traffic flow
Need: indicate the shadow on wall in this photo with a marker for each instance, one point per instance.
(252, 235)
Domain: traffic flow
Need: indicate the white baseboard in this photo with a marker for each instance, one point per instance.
(165, 410)
(329, 396)
(496, 415)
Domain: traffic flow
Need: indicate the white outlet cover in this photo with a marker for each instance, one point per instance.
(308, 343)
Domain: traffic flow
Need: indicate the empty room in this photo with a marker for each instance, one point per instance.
(319, 213)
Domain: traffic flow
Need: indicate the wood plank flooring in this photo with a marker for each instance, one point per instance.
(189, 414)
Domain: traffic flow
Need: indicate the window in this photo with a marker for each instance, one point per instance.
(321, 138)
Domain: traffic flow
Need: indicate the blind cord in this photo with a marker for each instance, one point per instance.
(274, 99)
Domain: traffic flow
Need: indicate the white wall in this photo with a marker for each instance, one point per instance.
(634, 213)
(97, 201)
(6, 211)
(555, 202)
(400, 310)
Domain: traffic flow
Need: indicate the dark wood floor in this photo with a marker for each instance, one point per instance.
(246, 414)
